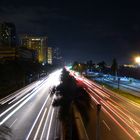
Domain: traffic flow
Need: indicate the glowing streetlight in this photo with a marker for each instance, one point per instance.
(137, 60)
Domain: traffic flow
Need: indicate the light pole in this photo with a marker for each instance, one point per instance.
(137, 60)
(98, 110)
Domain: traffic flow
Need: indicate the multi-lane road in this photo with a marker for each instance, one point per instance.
(119, 117)
(29, 113)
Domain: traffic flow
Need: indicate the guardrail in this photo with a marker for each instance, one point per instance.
(82, 134)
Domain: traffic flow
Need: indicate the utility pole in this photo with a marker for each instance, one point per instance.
(98, 109)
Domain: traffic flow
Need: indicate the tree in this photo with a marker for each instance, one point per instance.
(79, 67)
(90, 65)
(75, 66)
(82, 67)
(69, 93)
(102, 66)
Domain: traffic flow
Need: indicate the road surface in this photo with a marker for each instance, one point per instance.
(29, 113)
(119, 117)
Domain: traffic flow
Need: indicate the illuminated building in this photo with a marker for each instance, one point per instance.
(36, 43)
(49, 55)
(8, 35)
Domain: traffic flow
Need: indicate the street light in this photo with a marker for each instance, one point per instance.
(137, 60)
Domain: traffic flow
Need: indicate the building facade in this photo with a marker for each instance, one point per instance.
(50, 55)
(36, 43)
(57, 57)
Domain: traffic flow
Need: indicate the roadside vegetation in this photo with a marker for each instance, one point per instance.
(70, 94)
(17, 74)
(114, 70)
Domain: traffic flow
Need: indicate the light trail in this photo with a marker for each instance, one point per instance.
(126, 115)
(18, 107)
(50, 123)
(136, 130)
(116, 103)
(13, 123)
(106, 125)
(46, 121)
(131, 137)
(21, 93)
(123, 109)
(37, 118)
(40, 124)
(101, 95)
(119, 116)
(94, 93)
(95, 100)
(26, 98)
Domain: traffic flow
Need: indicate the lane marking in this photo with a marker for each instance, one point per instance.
(17, 93)
(120, 117)
(25, 97)
(37, 118)
(106, 125)
(35, 137)
(13, 123)
(50, 123)
(46, 120)
(16, 109)
(20, 105)
(125, 130)
(92, 106)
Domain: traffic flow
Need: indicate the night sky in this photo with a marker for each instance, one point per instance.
(83, 30)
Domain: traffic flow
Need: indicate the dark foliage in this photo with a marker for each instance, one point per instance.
(69, 93)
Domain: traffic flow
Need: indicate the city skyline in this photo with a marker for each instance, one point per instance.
(94, 31)
(69, 70)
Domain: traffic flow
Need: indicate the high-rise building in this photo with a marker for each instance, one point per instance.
(8, 35)
(50, 55)
(57, 58)
(36, 43)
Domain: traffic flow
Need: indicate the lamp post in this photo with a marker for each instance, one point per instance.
(137, 60)
(98, 110)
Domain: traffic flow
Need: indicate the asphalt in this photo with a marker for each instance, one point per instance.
(29, 112)
(119, 117)
(30, 115)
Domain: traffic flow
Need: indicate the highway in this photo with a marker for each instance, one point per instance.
(28, 112)
(119, 117)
